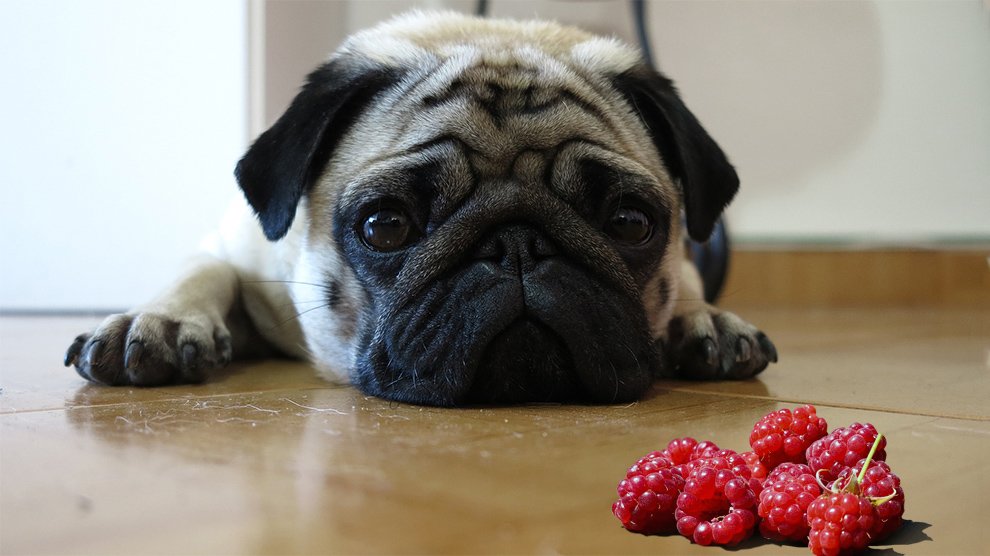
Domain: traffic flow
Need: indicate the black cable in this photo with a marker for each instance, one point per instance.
(711, 257)
(712, 260)
(639, 17)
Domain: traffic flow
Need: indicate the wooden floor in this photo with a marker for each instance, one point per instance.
(267, 459)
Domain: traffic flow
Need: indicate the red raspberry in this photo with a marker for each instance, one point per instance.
(724, 459)
(789, 470)
(784, 503)
(842, 448)
(783, 436)
(847, 520)
(684, 451)
(699, 451)
(716, 505)
(648, 495)
(679, 450)
(758, 469)
(727, 459)
(704, 449)
(878, 484)
(840, 524)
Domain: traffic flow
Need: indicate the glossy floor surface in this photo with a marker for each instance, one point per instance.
(267, 459)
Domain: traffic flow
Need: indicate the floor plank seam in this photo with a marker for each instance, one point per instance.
(878, 409)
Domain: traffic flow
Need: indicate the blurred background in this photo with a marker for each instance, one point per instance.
(861, 132)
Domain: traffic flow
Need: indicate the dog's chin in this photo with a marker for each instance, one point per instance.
(526, 362)
(559, 335)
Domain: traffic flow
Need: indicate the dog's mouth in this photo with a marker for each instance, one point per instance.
(526, 362)
(558, 335)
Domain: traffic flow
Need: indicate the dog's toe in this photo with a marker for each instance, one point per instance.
(149, 349)
(75, 349)
(714, 344)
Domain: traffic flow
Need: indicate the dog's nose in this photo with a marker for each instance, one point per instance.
(516, 248)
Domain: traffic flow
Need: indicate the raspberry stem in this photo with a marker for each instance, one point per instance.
(856, 479)
(869, 458)
(852, 485)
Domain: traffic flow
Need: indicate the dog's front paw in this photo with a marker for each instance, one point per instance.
(150, 349)
(712, 344)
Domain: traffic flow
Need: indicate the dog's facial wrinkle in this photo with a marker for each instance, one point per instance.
(506, 146)
(433, 332)
(438, 345)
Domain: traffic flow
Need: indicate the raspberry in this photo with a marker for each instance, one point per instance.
(842, 448)
(789, 470)
(840, 523)
(679, 450)
(757, 468)
(722, 459)
(648, 495)
(699, 451)
(784, 436)
(704, 449)
(784, 502)
(878, 484)
(716, 505)
(846, 520)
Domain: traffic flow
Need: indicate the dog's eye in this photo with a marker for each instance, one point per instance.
(629, 225)
(387, 230)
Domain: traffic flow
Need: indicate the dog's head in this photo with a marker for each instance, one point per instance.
(492, 208)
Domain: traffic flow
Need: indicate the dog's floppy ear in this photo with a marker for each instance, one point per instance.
(284, 161)
(707, 178)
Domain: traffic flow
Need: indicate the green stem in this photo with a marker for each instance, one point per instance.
(869, 458)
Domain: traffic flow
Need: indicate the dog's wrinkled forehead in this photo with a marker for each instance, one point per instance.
(500, 92)
(407, 39)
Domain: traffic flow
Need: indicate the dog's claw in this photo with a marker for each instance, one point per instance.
(189, 354)
(72, 354)
(736, 350)
(767, 347)
(132, 357)
(224, 348)
(93, 355)
(150, 349)
(709, 352)
(744, 350)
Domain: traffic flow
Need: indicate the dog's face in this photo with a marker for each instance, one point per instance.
(493, 210)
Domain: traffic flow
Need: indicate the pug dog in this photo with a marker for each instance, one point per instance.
(457, 211)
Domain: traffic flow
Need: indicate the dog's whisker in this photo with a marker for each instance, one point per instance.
(294, 303)
(284, 282)
(399, 378)
(688, 299)
(297, 315)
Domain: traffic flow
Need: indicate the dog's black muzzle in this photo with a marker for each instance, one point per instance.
(519, 322)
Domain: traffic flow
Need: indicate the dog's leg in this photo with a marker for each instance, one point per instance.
(705, 342)
(194, 327)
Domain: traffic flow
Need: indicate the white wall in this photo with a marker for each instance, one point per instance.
(122, 122)
(848, 121)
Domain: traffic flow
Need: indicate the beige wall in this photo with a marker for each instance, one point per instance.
(296, 35)
(863, 122)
